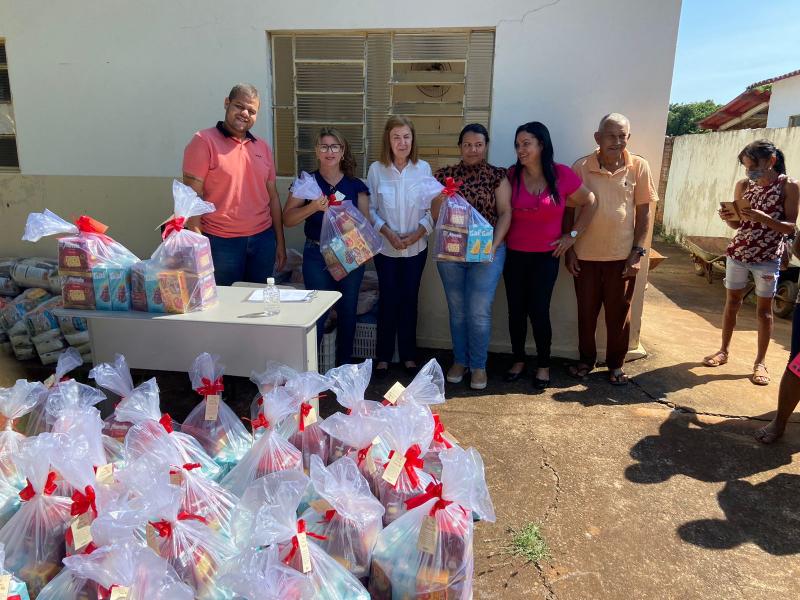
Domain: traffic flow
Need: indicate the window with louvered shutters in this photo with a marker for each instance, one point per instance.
(353, 81)
(8, 140)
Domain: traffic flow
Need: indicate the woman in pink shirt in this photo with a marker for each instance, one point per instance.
(540, 191)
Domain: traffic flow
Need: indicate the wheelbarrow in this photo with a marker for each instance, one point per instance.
(708, 255)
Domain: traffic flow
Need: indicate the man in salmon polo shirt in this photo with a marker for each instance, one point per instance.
(606, 259)
(231, 168)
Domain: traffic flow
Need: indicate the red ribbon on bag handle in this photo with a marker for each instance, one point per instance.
(86, 224)
(186, 466)
(413, 462)
(433, 490)
(362, 454)
(333, 200)
(174, 225)
(261, 421)
(451, 187)
(438, 430)
(185, 516)
(82, 502)
(166, 422)
(328, 516)
(49, 487)
(301, 528)
(209, 388)
(164, 528)
(305, 410)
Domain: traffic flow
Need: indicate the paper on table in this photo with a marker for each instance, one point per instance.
(286, 295)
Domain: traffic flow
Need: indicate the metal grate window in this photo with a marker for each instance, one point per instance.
(354, 81)
(8, 140)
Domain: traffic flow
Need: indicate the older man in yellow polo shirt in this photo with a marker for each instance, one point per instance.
(606, 258)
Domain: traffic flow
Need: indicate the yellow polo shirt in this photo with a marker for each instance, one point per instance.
(610, 233)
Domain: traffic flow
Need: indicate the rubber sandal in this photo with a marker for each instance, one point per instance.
(717, 359)
(618, 379)
(760, 375)
(580, 371)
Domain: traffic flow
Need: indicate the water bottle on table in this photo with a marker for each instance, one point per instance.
(272, 298)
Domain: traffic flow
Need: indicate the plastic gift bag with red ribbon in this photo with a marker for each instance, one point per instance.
(462, 233)
(116, 378)
(135, 572)
(15, 403)
(304, 428)
(186, 541)
(71, 410)
(34, 536)
(273, 376)
(212, 422)
(347, 240)
(345, 513)
(407, 434)
(271, 451)
(17, 590)
(95, 269)
(36, 421)
(267, 516)
(179, 278)
(427, 552)
(141, 407)
(259, 574)
(349, 383)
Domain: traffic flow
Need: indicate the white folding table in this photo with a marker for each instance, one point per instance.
(235, 329)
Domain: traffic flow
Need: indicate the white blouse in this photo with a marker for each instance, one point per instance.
(394, 201)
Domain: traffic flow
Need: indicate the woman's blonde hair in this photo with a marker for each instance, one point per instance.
(348, 164)
(386, 146)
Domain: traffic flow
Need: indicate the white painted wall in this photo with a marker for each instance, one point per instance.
(784, 102)
(131, 81)
(704, 170)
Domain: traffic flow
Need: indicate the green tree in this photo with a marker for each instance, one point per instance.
(683, 117)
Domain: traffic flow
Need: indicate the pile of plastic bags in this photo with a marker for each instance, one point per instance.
(139, 506)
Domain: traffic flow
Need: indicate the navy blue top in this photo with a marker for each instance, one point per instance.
(351, 187)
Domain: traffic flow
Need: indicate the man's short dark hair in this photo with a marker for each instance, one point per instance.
(243, 89)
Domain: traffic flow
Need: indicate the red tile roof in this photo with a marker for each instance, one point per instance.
(744, 102)
(774, 79)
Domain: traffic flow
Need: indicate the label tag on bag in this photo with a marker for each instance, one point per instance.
(50, 381)
(339, 196)
(450, 437)
(119, 592)
(212, 407)
(320, 506)
(394, 393)
(428, 535)
(305, 555)
(312, 416)
(152, 537)
(393, 469)
(81, 532)
(105, 474)
(176, 478)
(370, 462)
(5, 585)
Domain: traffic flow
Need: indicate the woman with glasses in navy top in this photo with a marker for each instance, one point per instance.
(335, 177)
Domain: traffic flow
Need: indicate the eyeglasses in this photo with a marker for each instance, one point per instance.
(325, 148)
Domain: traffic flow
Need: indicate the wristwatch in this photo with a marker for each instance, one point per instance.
(639, 250)
(573, 234)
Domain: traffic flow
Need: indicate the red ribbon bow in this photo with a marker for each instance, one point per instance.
(301, 528)
(305, 410)
(49, 487)
(174, 225)
(187, 466)
(89, 225)
(185, 516)
(166, 422)
(209, 388)
(434, 490)
(164, 528)
(362, 454)
(328, 517)
(333, 200)
(81, 503)
(413, 462)
(438, 430)
(261, 421)
(450, 187)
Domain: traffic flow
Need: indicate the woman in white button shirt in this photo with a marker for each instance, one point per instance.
(398, 214)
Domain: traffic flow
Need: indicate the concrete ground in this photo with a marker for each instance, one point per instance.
(656, 490)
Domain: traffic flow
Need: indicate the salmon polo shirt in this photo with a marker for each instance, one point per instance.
(235, 174)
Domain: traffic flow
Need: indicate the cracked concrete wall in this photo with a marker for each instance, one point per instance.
(106, 96)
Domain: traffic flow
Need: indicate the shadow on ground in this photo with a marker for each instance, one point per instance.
(766, 514)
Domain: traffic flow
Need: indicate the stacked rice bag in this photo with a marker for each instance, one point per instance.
(427, 552)
(8, 287)
(13, 312)
(267, 516)
(347, 240)
(212, 422)
(42, 325)
(462, 233)
(95, 269)
(37, 272)
(345, 514)
(76, 333)
(179, 277)
(21, 342)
